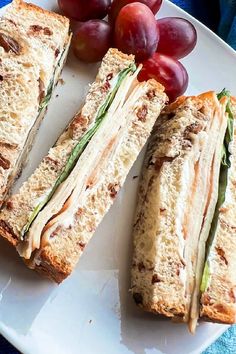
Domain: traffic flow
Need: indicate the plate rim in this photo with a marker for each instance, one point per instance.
(10, 334)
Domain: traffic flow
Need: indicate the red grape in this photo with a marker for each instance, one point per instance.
(92, 40)
(82, 10)
(136, 31)
(178, 37)
(116, 5)
(168, 71)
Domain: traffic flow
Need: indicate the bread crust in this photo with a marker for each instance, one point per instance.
(52, 266)
(21, 5)
(175, 314)
(6, 230)
(219, 313)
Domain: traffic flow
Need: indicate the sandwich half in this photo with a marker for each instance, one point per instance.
(218, 285)
(176, 204)
(33, 48)
(57, 210)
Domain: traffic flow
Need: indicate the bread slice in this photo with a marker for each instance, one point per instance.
(33, 48)
(173, 200)
(19, 207)
(218, 301)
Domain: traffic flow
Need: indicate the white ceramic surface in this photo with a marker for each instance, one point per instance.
(92, 311)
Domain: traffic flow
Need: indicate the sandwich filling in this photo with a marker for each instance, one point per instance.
(214, 190)
(81, 159)
(200, 173)
(223, 182)
(58, 68)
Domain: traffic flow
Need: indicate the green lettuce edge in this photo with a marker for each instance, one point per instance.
(46, 99)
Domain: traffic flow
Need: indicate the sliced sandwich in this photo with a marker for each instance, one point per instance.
(218, 285)
(177, 198)
(33, 48)
(57, 210)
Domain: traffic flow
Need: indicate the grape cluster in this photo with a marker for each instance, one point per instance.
(133, 29)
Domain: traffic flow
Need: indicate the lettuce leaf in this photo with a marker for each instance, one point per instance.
(48, 96)
(79, 148)
(223, 181)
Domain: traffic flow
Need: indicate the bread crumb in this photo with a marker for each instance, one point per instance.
(61, 81)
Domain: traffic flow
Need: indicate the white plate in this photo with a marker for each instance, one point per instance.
(92, 311)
